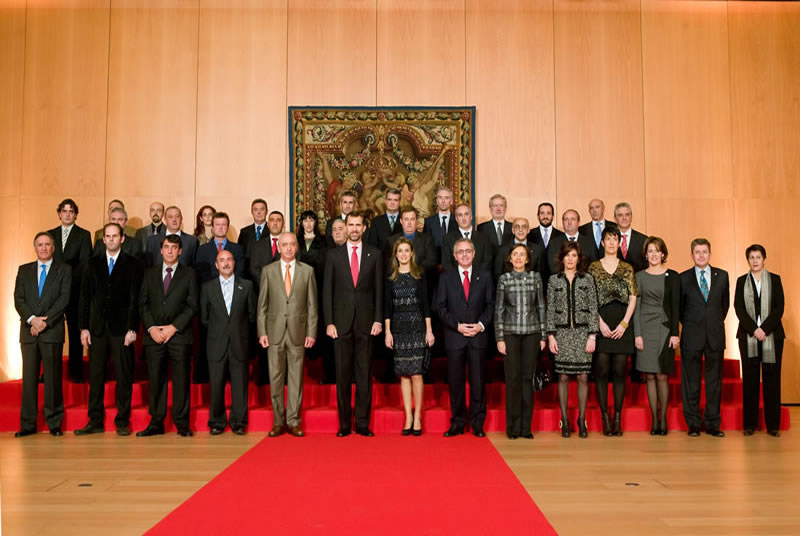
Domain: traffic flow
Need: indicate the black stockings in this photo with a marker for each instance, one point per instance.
(658, 397)
(602, 366)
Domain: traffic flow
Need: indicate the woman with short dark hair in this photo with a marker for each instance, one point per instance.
(758, 303)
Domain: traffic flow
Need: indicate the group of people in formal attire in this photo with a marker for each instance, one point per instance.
(592, 296)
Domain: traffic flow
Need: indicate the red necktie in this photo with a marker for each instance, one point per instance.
(466, 285)
(219, 247)
(624, 246)
(274, 246)
(354, 266)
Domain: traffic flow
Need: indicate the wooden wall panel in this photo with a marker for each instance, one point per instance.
(152, 105)
(421, 53)
(764, 52)
(241, 107)
(598, 105)
(686, 99)
(331, 53)
(12, 70)
(510, 80)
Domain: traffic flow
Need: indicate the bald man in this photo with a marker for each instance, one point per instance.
(594, 228)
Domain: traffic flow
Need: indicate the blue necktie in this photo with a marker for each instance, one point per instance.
(227, 294)
(258, 233)
(42, 277)
(704, 284)
(598, 233)
(110, 265)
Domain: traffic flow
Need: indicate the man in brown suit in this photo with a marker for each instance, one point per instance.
(287, 324)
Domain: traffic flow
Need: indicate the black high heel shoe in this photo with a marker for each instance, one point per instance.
(617, 427)
(582, 432)
(654, 429)
(407, 431)
(564, 425)
(606, 424)
(414, 431)
(663, 429)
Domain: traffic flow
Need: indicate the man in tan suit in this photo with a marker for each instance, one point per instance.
(287, 323)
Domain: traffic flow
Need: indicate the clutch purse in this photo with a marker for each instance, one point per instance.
(426, 359)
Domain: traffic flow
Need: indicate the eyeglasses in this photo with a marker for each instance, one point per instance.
(464, 251)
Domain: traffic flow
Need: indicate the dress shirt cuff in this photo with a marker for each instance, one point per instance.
(30, 319)
(483, 328)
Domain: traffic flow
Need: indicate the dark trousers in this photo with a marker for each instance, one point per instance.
(691, 377)
(353, 353)
(522, 354)
(238, 372)
(457, 363)
(179, 355)
(122, 357)
(46, 355)
(75, 359)
(770, 378)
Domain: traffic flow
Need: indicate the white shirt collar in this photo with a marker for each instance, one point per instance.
(48, 264)
(67, 227)
(461, 272)
(351, 245)
(109, 257)
(224, 281)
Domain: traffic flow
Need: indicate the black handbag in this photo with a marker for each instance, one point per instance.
(426, 359)
(544, 374)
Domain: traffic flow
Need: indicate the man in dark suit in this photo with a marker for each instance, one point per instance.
(167, 304)
(154, 227)
(424, 248)
(594, 228)
(109, 320)
(570, 220)
(536, 254)
(705, 298)
(347, 203)
(465, 304)
(227, 309)
(384, 226)
(439, 224)
(353, 305)
(266, 250)
(543, 233)
(113, 205)
(464, 229)
(73, 247)
(252, 233)
(631, 241)
(174, 220)
(41, 295)
(498, 229)
(130, 245)
(205, 262)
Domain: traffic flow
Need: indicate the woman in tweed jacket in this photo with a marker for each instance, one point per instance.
(572, 328)
(519, 329)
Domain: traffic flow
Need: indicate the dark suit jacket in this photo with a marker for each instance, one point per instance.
(76, 254)
(536, 254)
(131, 246)
(704, 322)
(772, 323)
(489, 228)
(380, 230)
(635, 256)
(153, 251)
(483, 249)
(353, 308)
(52, 303)
(224, 329)
(178, 307)
(453, 308)
(433, 226)
(588, 249)
(314, 256)
(587, 229)
(247, 237)
(424, 251)
(109, 304)
(206, 258)
(144, 233)
(260, 256)
(535, 236)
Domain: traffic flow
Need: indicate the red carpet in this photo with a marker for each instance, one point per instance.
(383, 485)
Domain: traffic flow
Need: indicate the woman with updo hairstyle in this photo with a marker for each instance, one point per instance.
(758, 302)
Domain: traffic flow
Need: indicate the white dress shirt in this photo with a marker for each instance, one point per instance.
(359, 248)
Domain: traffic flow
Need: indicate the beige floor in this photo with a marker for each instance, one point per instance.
(632, 485)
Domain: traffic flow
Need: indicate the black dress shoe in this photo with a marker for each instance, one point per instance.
(716, 432)
(238, 430)
(23, 433)
(216, 430)
(774, 433)
(478, 432)
(527, 436)
(748, 431)
(513, 436)
(56, 432)
(343, 432)
(123, 431)
(184, 431)
(90, 429)
(694, 432)
(453, 431)
(364, 432)
(151, 431)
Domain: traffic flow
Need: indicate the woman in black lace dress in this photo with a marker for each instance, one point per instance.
(408, 328)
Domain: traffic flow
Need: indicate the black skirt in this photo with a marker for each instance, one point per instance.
(612, 313)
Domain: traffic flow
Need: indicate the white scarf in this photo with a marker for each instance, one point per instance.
(768, 346)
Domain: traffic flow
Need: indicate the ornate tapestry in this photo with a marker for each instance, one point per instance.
(372, 150)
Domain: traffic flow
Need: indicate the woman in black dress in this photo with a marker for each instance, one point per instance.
(616, 300)
(758, 303)
(311, 249)
(408, 328)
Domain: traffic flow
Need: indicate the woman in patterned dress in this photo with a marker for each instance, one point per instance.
(408, 328)
(572, 329)
(616, 301)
